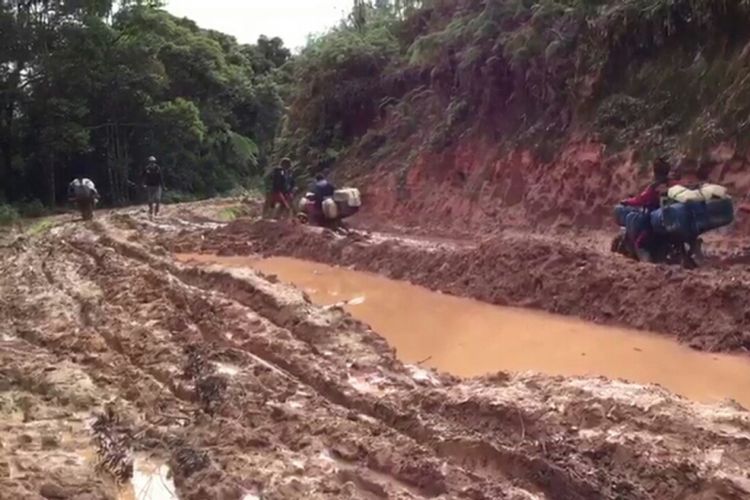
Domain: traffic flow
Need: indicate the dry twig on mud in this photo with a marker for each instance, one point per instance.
(187, 461)
(210, 388)
(114, 445)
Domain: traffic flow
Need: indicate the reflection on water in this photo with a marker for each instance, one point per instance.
(468, 338)
(227, 369)
(151, 481)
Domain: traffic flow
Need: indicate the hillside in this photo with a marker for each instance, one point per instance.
(519, 111)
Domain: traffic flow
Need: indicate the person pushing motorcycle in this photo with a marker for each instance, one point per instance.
(82, 192)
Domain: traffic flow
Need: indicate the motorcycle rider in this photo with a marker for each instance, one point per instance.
(83, 193)
(154, 184)
(638, 226)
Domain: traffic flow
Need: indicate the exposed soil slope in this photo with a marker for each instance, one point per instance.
(245, 388)
(470, 114)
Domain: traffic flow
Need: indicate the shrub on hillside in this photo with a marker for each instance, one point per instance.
(8, 215)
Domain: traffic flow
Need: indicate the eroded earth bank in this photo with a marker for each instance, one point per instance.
(114, 355)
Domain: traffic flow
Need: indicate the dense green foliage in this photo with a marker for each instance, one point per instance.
(96, 87)
(664, 76)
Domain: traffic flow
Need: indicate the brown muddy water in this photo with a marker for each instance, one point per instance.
(467, 338)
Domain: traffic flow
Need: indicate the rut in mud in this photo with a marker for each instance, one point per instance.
(469, 338)
(111, 351)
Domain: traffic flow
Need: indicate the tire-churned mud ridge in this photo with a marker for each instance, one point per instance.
(705, 308)
(109, 350)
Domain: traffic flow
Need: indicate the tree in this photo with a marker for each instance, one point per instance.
(95, 87)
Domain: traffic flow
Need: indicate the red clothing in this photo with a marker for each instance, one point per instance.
(277, 198)
(649, 198)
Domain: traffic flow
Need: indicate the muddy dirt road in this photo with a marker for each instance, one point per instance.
(118, 362)
(564, 274)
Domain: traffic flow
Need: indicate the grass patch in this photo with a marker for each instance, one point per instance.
(40, 227)
(232, 213)
(8, 215)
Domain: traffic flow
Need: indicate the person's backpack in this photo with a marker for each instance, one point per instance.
(83, 188)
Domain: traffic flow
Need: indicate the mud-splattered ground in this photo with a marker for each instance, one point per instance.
(110, 350)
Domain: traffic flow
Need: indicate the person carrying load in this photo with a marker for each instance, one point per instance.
(82, 192)
(153, 181)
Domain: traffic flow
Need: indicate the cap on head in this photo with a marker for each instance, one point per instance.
(319, 177)
(286, 163)
(152, 159)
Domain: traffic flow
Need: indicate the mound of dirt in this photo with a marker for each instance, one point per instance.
(245, 389)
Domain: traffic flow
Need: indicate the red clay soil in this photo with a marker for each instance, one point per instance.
(111, 350)
(475, 185)
(707, 308)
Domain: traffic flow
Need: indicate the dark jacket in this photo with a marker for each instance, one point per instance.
(323, 189)
(152, 175)
(290, 183)
(278, 180)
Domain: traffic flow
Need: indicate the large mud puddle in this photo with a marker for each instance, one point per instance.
(468, 338)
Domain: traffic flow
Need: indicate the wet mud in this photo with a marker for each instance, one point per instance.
(469, 338)
(562, 274)
(239, 387)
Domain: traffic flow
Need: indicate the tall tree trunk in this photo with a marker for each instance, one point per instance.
(122, 166)
(50, 181)
(110, 163)
(6, 160)
(6, 131)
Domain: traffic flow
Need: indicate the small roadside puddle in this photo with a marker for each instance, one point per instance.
(151, 481)
(468, 338)
(227, 369)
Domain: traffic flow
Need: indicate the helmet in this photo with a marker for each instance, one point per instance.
(152, 159)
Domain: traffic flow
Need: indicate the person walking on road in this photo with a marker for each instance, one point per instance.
(154, 184)
(278, 188)
(83, 193)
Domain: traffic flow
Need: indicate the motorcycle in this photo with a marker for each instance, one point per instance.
(662, 249)
(332, 211)
(674, 230)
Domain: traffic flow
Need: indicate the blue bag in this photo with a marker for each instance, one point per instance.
(674, 220)
(621, 214)
(714, 214)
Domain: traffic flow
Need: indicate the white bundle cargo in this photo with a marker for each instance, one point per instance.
(706, 192)
(348, 196)
(330, 209)
(306, 200)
